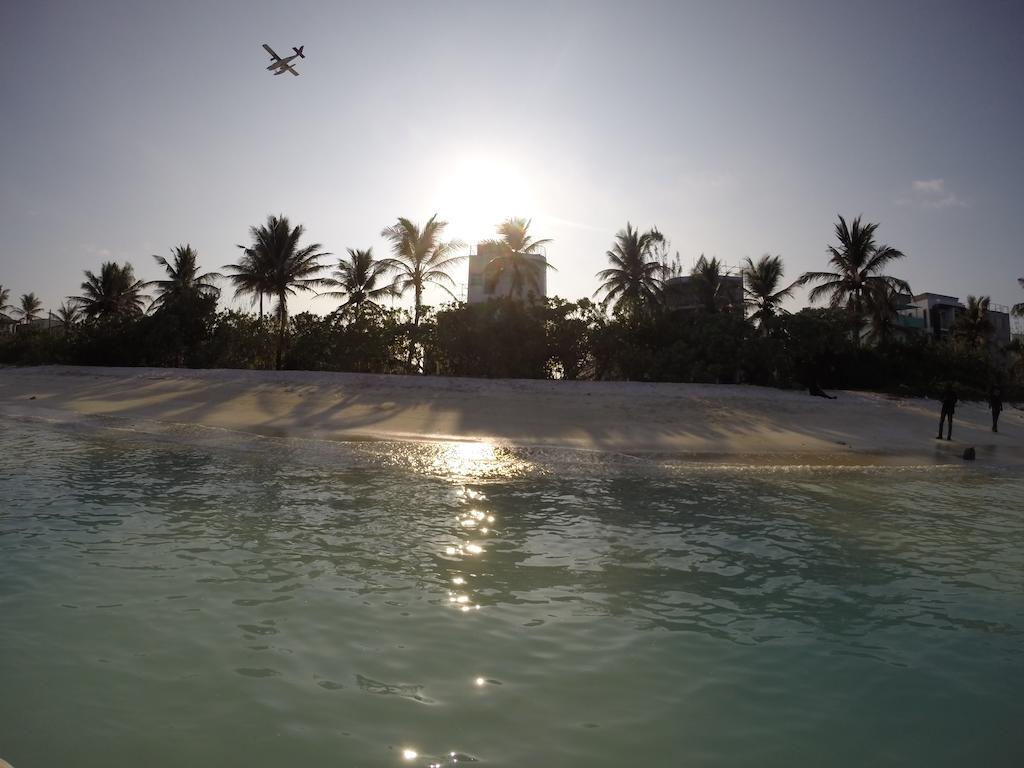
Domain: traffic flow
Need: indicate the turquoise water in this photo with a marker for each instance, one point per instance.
(272, 603)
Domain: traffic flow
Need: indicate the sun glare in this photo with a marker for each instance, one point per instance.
(480, 190)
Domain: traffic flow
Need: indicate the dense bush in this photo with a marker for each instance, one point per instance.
(551, 339)
(31, 346)
(238, 340)
(372, 342)
(498, 339)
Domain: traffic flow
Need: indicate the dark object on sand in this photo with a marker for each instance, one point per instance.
(995, 403)
(815, 390)
(948, 407)
(969, 454)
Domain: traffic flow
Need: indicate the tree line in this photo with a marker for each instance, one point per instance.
(629, 329)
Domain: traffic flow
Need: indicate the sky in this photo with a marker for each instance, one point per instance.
(736, 128)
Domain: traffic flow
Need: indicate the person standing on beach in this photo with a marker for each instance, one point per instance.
(995, 402)
(948, 406)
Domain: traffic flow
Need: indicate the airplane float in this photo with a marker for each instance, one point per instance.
(279, 65)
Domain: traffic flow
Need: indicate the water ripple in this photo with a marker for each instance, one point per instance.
(302, 612)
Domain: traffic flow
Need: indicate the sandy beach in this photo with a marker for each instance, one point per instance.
(698, 421)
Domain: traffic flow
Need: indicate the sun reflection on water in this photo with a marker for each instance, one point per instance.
(477, 459)
(460, 595)
(463, 556)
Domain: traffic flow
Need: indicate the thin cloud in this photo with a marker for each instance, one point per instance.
(95, 250)
(932, 193)
(930, 187)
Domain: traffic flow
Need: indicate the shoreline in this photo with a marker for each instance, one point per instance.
(695, 423)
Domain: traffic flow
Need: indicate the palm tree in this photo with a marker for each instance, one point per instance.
(882, 309)
(251, 276)
(761, 289)
(519, 256)
(356, 278)
(420, 259)
(184, 282)
(5, 296)
(973, 327)
(708, 277)
(113, 293)
(30, 308)
(69, 315)
(275, 264)
(858, 262)
(633, 282)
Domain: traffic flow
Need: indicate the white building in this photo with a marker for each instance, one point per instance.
(477, 291)
(935, 313)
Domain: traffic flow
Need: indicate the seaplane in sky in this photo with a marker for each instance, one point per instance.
(279, 65)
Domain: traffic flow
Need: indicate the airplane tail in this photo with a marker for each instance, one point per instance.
(298, 51)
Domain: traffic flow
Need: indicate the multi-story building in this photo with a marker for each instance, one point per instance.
(48, 323)
(935, 313)
(1016, 327)
(9, 326)
(478, 288)
(1001, 325)
(931, 313)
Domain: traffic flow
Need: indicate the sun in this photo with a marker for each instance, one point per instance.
(480, 190)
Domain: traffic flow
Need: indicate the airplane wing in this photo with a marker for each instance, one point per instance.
(286, 68)
(270, 50)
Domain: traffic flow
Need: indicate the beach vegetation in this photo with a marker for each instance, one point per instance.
(184, 283)
(69, 315)
(277, 265)
(358, 280)
(972, 327)
(28, 308)
(882, 311)
(762, 291)
(632, 285)
(566, 329)
(520, 257)
(858, 261)
(708, 276)
(373, 342)
(420, 258)
(250, 276)
(550, 338)
(238, 340)
(500, 338)
(633, 332)
(184, 306)
(112, 295)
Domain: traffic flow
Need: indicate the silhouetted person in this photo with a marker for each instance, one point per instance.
(995, 402)
(948, 406)
(817, 391)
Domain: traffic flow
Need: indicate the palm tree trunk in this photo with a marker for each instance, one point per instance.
(282, 322)
(415, 328)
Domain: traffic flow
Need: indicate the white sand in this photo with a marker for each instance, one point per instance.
(751, 424)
